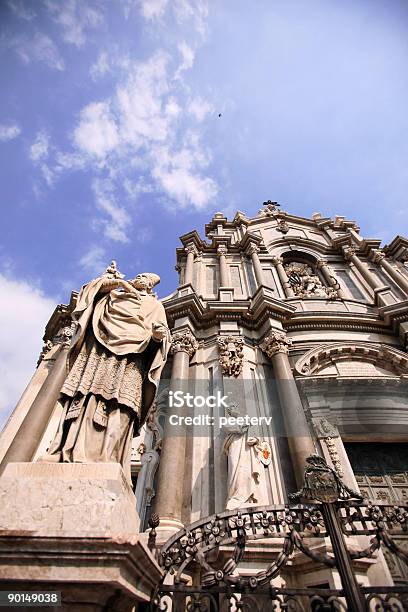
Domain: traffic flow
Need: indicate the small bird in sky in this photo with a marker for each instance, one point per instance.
(219, 114)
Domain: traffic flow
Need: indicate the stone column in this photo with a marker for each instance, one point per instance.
(330, 278)
(378, 257)
(253, 251)
(278, 262)
(276, 346)
(28, 437)
(188, 274)
(224, 275)
(350, 255)
(169, 497)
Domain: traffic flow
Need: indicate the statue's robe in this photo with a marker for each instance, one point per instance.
(114, 371)
(246, 478)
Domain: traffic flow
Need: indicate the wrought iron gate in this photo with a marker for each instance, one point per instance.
(202, 561)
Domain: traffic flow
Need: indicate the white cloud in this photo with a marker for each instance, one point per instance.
(38, 48)
(94, 261)
(187, 54)
(100, 67)
(96, 133)
(195, 11)
(39, 149)
(9, 131)
(20, 337)
(153, 9)
(199, 108)
(140, 102)
(114, 228)
(22, 9)
(75, 17)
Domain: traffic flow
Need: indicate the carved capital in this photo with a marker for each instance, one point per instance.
(65, 333)
(276, 260)
(231, 354)
(349, 252)
(191, 248)
(275, 342)
(376, 255)
(320, 263)
(183, 341)
(252, 248)
(222, 250)
(47, 346)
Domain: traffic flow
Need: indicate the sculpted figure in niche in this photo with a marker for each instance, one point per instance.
(246, 474)
(115, 360)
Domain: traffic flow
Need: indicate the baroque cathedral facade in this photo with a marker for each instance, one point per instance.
(302, 323)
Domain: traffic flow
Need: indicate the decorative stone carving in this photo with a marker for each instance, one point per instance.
(222, 250)
(327, 432)
(269, 210)
(253, 248)
(349, 252)
(282, 226)
(191, 248)
(276, 260)
(275, 342)
(65, 334)
(305, 283)
(47, 346)
(183, 341)
(324, 428)
(377, 255)
(231, 354)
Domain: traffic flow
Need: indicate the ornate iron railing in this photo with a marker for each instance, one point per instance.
(210, 550)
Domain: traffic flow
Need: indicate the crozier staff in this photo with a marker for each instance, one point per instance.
(116, 357)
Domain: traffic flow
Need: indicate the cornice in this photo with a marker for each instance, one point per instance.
(399, 243)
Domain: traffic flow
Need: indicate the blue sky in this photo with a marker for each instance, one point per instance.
(111, 145)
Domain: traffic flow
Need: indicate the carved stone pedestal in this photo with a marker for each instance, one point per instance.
(73, 528)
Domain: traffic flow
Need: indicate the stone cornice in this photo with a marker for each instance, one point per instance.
(195, 239)
(394, 314)
(396, 247)
(251, 314)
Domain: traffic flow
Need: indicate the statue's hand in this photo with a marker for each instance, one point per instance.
(158, 332)
(252, 441)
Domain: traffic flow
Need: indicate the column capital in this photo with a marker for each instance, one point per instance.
(349, 252)
(191, 248)
(252, 249)
(275, 342)
(320, 263)
(183, 341)
(276, 260)
(222, 250)
(376, 255)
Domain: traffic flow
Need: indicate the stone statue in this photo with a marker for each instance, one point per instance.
(246, 484)
(115, 360)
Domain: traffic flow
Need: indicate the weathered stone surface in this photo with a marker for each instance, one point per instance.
(72, 498)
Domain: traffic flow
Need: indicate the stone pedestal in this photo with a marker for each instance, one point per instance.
(73, 528)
